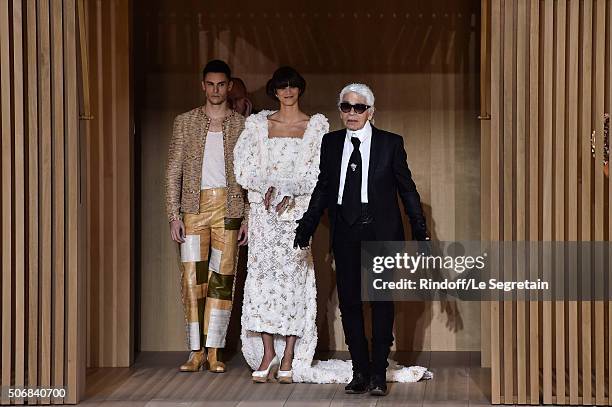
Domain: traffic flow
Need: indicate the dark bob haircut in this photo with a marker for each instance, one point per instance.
(217, 66)
(283, 77)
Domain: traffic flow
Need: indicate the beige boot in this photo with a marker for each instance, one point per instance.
(214, 364)
(195, 362)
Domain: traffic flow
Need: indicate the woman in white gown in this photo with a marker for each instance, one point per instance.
(277, 160)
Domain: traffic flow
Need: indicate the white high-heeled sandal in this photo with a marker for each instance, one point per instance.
(284, 376)
(261, 376)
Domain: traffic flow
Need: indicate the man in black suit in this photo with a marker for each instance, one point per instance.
(362, 171)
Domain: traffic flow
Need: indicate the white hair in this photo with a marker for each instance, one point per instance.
(359, 88)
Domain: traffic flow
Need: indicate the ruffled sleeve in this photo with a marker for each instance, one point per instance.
(304, 179)
(249, 169)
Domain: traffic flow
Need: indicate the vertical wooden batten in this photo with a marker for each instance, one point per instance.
(7, 197)
(521, 192)
(496, 116)
(19, 194)
(572, 188)
(534, 193)
(585, 195)
(33, 195)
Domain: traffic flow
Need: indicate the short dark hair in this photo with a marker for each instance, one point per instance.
(218, 66)
(283, 77)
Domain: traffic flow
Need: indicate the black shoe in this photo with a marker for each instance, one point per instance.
(358, 385)
(378, 386)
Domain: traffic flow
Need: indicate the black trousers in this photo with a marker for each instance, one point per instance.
(347, 254)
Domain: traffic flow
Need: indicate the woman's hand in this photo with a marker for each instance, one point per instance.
(282, 205)
(268, 198)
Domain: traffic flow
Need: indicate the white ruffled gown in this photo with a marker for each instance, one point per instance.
(280, 290)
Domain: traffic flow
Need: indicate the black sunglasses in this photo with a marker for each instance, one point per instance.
(359, 108)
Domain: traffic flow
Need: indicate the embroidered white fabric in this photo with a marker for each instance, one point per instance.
(280, 291)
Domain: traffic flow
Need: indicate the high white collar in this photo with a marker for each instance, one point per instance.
(362, 134)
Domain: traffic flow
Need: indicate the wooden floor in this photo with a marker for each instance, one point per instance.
(154, 381)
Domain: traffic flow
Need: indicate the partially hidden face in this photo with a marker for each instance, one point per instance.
(352, 119)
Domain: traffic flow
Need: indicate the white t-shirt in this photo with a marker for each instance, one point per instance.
(213, 163)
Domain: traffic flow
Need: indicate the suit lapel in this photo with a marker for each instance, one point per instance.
(374, 156)
(338, 147)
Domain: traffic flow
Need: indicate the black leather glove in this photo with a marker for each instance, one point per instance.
(419, 233)
(303, 233)
(425, 246)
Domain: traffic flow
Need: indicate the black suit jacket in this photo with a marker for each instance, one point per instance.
(388, 176)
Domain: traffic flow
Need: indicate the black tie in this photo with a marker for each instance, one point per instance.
(351, 195)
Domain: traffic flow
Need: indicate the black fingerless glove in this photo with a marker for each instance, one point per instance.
(303, 233)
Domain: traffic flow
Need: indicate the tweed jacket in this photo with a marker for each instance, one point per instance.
(184, 167)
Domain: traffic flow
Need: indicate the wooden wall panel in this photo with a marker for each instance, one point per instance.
(42, 285)
(485, 167)
(554, 91)
(33, 192)
(433, 72)
(75, 327)
(109, 185)
(573, 189)
(599, 77)
(559, 177)
(45, 261)
(57, 179)
(585, 193)
(522, 65)
(7, 197)
(19, 193)
(507, 181)
(608, 74)
(534, 191)
(494, 234)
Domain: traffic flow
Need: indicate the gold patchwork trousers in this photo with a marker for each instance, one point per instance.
(208, 267)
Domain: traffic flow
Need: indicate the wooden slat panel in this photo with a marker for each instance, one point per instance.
(110, 186)
(585, 235)
(534, 194)
(572, 185)
(609, 181)
(45, 261)
(122, 105)
(507, 163)
(485, 167)
(85, 188)
(566, 100)
(72, 198)
(547, 192)
(32, 223)
(100, 334)
(110, 197)
(598, 110)
(95, 188)
(559, 201)
(39, 107)
(57, 87)
(522, 54)
(7, 197)
(18, 198)
(496, 116)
